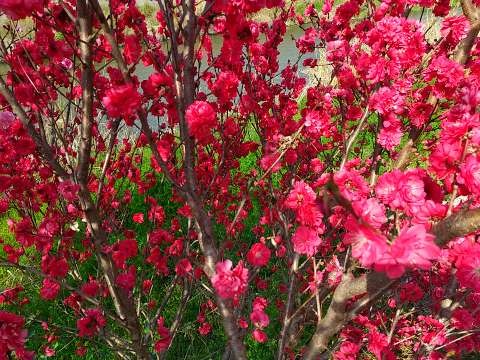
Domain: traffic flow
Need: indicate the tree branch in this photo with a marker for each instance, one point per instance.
(374, 284)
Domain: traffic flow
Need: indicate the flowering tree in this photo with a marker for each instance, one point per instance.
(332, 216)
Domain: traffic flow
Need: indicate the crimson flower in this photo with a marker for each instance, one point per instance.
(201, 119)
(19, 9)
(229, 282)
(89, 325)
(305, 240)
(13, 336)
(121, 101)
(258, 255)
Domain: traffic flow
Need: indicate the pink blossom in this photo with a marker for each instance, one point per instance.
(225, 88)
(447, 75)
(49, 351)
(229, 282)
(259, 303)
(391, 132)
(411, 189)
(301, 194)
(468, 268)
(413, 247)
(352, 185)
(371, 211)
(348, 351)
(470, 174)
(377, 342)
(462, 319)
(19, 9)
(259, 318)
(420, 113)
(258, 255)
(305, 241)
(66, 63)
(337, 50)
(367, 245)
(317, 123)
(302, 199)
(259, 336)
(386, 188)
(121, 101)
(387, 100)
(7, 119)
(454, 28)
(201, 120)
(401, 190)
(444, 158)
(428, 211)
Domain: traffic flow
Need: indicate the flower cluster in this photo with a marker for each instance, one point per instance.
(302, 200)
(91, 323)
(228, 282)
(201, 120)
(259, 319)
(13, 336)
(19, 9)
(122, 101)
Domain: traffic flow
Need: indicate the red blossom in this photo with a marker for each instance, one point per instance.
(183, 267)
(306, 240)
(165, 338)
(19, 9)
(91, 324)
(259, 336)
(50, 289)
(225, 88)
(229, 282)
(258, 255)
(138, 218)
(122, 101)
(201, 120)
(205, 329)
(13, 336)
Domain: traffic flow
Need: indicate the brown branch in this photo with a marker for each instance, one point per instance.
(85, 28)
(352, 138)
(117, 55)
(123, 303)
(187, 292)
(185, 96)
(465, 47)
(375, 284)
(286, 316)
(111, 143)
(469, 10)
(458, 224)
